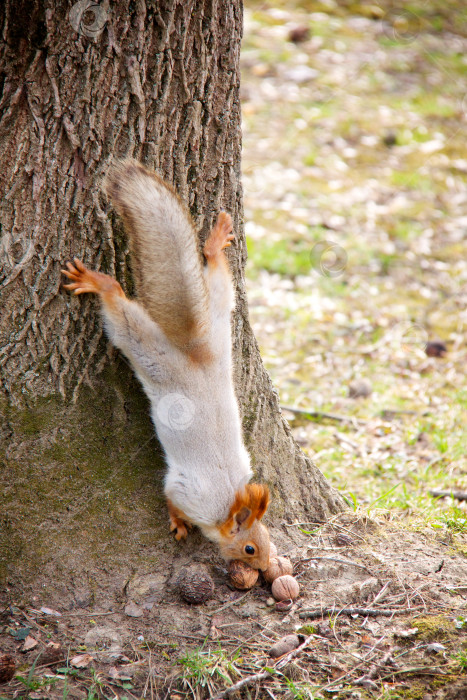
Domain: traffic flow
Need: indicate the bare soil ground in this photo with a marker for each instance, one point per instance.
(382, 613)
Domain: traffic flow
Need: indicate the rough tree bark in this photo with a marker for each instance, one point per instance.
(158, 80)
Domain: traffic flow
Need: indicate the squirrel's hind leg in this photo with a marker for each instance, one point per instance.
(220, 237)
(178, 521)
(219, 284)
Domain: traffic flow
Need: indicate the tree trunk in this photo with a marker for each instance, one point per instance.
(82, 477)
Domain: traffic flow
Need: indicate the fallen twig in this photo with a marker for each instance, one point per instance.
(373, 670)
(232, 602)
(424, 670)
(340, 561)
(381, 593)
(388, 413)
(321, 414)
(341, 677)
(365, 612)
(251, 680)
(458, 495)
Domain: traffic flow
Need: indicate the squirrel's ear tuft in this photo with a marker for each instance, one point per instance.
(250, 504)
(258, 499)
(253, 498)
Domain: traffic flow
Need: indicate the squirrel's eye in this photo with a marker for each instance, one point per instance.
(249, 549)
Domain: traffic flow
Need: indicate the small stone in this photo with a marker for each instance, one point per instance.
(52, 653)
(104, 638)
(299, 33)
(390, 139)
(147, 588)
(284, 646)
(435, 348)
(270, 602)
(133, 610)
(359, 388)
(342, 540)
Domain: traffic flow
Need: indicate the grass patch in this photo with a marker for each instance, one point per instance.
(203, 668)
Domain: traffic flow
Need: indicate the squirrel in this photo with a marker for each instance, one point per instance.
(177, 337)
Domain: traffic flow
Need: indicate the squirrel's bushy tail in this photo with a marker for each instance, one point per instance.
(164, 247)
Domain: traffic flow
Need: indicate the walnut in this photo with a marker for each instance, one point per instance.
(272, 550)
(285, 588)
(7, 668)
(278, 566)
(195, 584)
(242, 575)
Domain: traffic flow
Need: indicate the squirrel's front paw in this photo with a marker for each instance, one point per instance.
(85, 281)
(82, 278)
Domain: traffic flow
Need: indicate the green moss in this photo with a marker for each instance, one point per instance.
(460, 548)
(83, 487)
(436, 628)
(416, 692)
(286, 257)
(36, 417)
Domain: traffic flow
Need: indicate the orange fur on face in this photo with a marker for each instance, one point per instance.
(250, 504)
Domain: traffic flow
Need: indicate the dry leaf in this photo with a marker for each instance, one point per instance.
(82, 660)
(214, 633)
(118, 674)
(403, 634)
(435, 648)
(29, 643)
(49, 611)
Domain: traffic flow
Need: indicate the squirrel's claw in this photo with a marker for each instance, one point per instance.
(179, 527)
(85, 281)
(77, 272)
(220, 237)
(74, 272)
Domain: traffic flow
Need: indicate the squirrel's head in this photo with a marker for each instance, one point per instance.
(242, 535)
